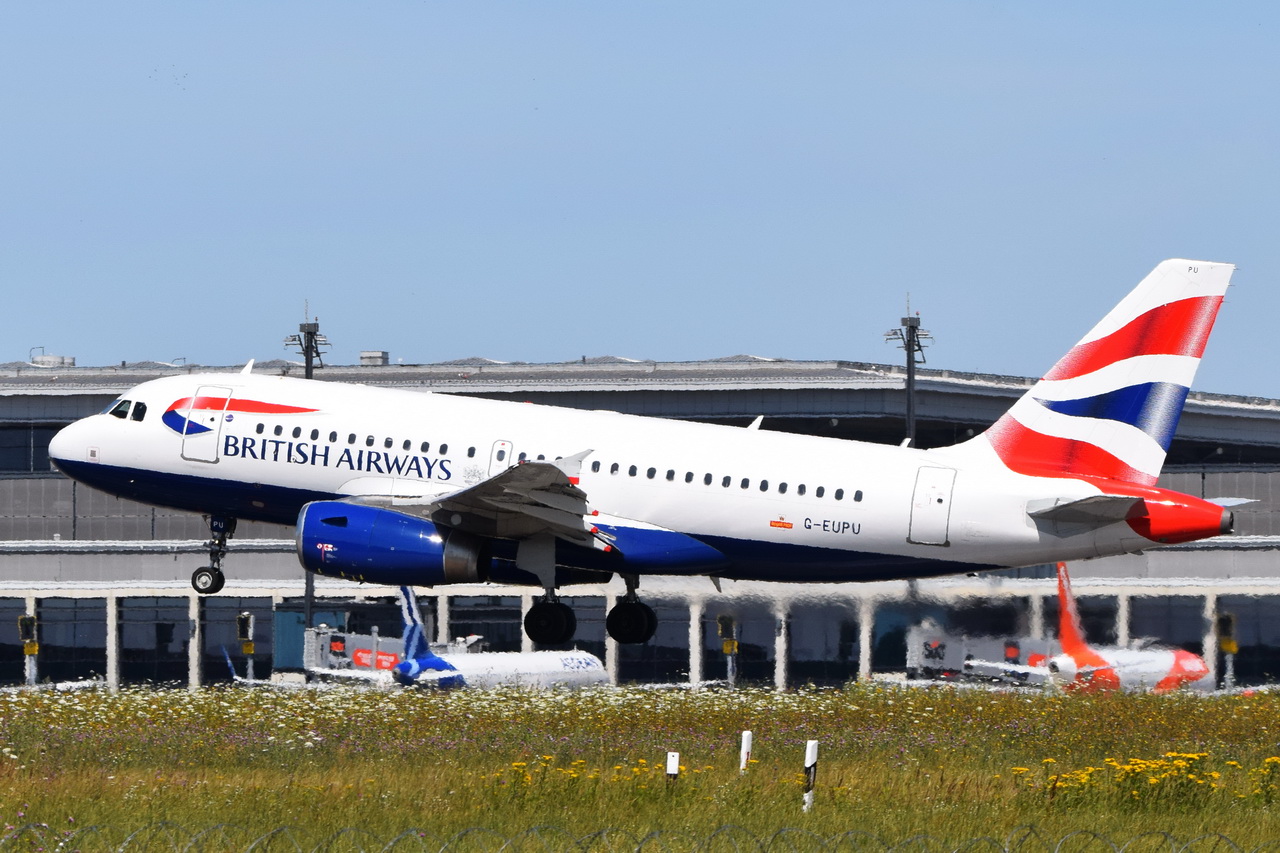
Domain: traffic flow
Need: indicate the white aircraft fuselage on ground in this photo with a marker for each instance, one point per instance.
(404, 487)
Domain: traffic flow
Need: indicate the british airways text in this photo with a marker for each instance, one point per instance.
(324, 456)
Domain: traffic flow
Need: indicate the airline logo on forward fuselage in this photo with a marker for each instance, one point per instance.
(184, 415)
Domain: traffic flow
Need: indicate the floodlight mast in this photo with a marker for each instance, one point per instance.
(308, 341)
(912, 339)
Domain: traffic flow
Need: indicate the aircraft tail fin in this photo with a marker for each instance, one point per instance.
(1070, 629)
(1108, 409)
(416, 644)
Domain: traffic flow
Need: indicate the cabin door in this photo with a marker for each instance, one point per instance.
(931, 506)
(203, 417)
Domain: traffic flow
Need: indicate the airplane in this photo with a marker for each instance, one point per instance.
(446, 666)
(402, 487)
(1096, 669)
(455, 665)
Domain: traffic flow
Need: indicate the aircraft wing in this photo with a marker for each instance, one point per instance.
(520, 502)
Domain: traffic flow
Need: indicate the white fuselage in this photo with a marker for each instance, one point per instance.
(780, 506)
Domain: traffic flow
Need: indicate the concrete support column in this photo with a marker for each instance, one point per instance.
(696, 608)
(1210, 641)
(442, 619)
(610, 647)
(526, 603)
(781, 645)
(31, 665)
(1035, 616)
(195, 645)
(113, 642)
(1122, 620)
(866, 626)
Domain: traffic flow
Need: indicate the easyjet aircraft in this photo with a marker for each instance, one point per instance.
(400, 487)
(1099, 669)
(1083, 668)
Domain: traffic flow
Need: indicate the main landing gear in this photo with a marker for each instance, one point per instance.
(209, 579)
(631, 620)
(551, 622)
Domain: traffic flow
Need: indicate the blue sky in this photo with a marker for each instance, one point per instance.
(543, 181)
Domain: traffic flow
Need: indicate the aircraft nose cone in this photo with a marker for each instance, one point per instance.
(62, 444)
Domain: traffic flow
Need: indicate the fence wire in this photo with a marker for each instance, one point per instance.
(225, 838)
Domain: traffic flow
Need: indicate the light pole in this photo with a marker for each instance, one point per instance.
(911, 338)
(308, 341)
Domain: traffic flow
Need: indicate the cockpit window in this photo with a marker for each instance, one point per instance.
(120, 409)
(139, 411)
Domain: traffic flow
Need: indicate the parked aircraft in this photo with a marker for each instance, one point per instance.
(401, 487)
(452, 665)
(1083, 668)
(1091, 669)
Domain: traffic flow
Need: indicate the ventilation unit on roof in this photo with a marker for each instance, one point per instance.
(54, 360)
(374, 358)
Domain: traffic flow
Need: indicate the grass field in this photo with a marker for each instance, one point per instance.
(894, 762)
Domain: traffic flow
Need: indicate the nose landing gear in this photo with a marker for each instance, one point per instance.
(209, 579)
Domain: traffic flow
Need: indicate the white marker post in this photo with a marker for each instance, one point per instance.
(673, 766)
(810, 772)
(744, 756)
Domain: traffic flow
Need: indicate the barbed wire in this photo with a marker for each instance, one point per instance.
(223, 838)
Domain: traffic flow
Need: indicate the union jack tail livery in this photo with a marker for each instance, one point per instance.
(1109, 407)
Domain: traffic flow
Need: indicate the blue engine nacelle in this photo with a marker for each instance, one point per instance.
(374, 545)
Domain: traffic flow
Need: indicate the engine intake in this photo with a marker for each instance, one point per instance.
(376, 545)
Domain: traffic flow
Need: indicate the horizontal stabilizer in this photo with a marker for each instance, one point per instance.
(1095, 510)
(1230, 502)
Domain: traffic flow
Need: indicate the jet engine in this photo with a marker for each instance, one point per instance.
(374, 545)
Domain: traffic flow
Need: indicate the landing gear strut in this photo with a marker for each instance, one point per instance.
(549, 622)
(209, 579)
(631, 620)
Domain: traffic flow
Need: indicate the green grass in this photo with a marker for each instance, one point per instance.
(953, 764)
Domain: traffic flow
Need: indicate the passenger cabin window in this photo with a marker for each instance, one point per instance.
(333, 438)
(613, 469)
(819, 492)
(425, 446)
(387, 442)
(444, 448)
(706, 480)
(120, 410)
(297, 432)
(595, 466)
(315, 434)
(408, 445)
(279, 430)
(839, 494)
(726, 481)
(471, 452)
(368, 442)
(782, 488)
(746, 483)
(857, 495)
(688, 476)
(502, 454)
(351, 439)
(632, 470)
(800, 489)
(764, 485)
(260, 428)
(651, 472)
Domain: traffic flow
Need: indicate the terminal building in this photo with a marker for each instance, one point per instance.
(108, 580)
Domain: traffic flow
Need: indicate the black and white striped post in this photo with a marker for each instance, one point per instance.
(810, 772)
